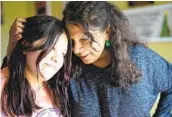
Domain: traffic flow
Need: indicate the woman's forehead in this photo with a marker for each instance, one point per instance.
(76, 31)
(62, 40)
(75, 28)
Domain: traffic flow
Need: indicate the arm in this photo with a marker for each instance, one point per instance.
(164, 84)
(14, 35)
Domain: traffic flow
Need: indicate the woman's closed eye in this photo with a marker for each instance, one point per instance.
(84, 38)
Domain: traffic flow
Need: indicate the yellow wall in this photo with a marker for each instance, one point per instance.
(57, 7)
(163, 48)
(120, 4)
(10, 11)
(162, 2)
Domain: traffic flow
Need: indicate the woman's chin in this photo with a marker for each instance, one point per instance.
(87, 61)
(48, 74)
(47, 77)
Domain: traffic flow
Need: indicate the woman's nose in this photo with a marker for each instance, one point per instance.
(53, 55)
(77, 48)
(53, 58)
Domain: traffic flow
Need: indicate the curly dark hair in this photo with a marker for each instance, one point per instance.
(18, 98)
(103, 15)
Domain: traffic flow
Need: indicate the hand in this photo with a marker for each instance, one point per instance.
(15, 34)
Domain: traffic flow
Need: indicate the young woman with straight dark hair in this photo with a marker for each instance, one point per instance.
(34, 83)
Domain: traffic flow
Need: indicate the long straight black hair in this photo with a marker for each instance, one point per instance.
(17, 97)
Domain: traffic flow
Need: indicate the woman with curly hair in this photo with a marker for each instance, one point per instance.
(34, 83)
(113, 73)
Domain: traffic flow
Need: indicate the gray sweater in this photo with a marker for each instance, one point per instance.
(91, 95)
